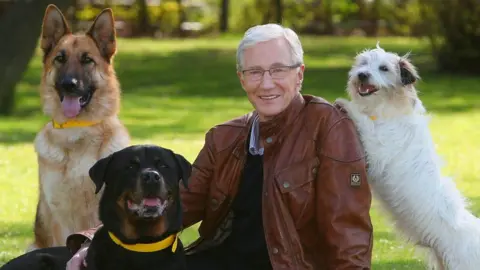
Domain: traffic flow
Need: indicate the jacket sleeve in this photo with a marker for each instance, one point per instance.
(77, 240)
(343, 197)
(195, 196)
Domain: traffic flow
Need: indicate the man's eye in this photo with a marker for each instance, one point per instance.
(277, 70)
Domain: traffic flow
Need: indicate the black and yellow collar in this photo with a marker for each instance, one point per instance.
(172, 240)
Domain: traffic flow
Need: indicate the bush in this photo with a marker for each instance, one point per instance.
(454, 34)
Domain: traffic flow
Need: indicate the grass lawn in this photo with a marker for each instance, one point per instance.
(174, 91)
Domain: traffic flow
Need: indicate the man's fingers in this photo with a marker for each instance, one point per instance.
(77, 260)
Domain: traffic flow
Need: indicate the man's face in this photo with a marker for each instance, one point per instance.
(270, 94)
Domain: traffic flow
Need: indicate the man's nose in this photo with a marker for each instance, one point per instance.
(267, 81)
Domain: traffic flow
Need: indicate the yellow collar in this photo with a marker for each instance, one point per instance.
(172, 240)
(73, 123)
(373, 117)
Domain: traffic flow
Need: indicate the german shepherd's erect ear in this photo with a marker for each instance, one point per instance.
(104, 34)
(54, 27)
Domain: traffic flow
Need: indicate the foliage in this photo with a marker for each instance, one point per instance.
(164, 17)
(174, 91)
(302, 15)
(454, 33)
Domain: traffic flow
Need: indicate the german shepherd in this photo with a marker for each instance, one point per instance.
(81, 94)
(140, 209)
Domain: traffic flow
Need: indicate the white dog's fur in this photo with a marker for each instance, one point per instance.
(403, 166)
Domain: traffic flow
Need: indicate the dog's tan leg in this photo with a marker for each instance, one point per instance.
(41, 229)
(58, 234)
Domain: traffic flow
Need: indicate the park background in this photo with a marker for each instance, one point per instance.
(176, 66)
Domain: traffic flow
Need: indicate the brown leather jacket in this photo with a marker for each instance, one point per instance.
(316, 199)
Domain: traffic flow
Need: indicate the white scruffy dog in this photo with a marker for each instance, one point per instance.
(403, 167)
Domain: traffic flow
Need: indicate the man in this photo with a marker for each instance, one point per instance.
(283, 187)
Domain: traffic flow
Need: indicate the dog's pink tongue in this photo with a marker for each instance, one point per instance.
(71, 106)
(151, 201)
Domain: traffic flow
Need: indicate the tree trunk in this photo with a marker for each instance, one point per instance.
(456, 24)
(224, 11)
(20, 28)
(328, 18)
(143, 23)
(374, 16)
(265, 6)
(278, 11)
(181, 18)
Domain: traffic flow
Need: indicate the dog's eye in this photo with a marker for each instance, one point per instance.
(383, 68)
(363, 62)
(60, 59)
(86, 60)
(160, 165)
(131, 166)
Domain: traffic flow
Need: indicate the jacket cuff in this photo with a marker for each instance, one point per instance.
(79, 239)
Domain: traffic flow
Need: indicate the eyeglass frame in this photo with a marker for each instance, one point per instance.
(290, 67)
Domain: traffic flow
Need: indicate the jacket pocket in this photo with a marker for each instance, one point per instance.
(213, 206)
(216, 199)
(297, 187)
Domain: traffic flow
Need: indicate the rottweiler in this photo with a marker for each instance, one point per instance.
(140, 210)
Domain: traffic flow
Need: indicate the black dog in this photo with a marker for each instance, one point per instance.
(140, 210)
(53, 258)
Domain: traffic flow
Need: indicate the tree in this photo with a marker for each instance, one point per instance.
(224, 7)
(454, 33)
(278, 11)
(143, 25)
(181, 18)
(20, 28)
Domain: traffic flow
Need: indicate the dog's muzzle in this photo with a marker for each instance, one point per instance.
(73, 96)
(364, 88)
(153, 198)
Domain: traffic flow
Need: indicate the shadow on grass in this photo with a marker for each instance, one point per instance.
(398, 264)
(155, 82)
(14, 238)
(388, 242)
(15, 229)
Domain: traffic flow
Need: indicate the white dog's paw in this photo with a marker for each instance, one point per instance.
(342, 102)
(344, 105)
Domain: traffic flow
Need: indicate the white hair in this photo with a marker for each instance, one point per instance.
(266, 32)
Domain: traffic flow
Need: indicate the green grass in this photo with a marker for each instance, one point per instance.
(174, 91)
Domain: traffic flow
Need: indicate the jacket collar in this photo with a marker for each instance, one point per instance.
(275, 125)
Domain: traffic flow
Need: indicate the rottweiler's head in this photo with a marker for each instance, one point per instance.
(141, 196)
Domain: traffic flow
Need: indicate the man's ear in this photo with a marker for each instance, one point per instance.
(184, 167)
(97, 172)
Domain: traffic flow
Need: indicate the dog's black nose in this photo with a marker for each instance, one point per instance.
(69, 83)
(362, 76)
(150, 177)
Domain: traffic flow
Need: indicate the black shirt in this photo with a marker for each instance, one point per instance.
(246, 244)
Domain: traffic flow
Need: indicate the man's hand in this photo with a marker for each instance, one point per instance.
(78, 260)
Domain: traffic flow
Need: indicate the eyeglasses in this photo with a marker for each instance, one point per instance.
(280, 72)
